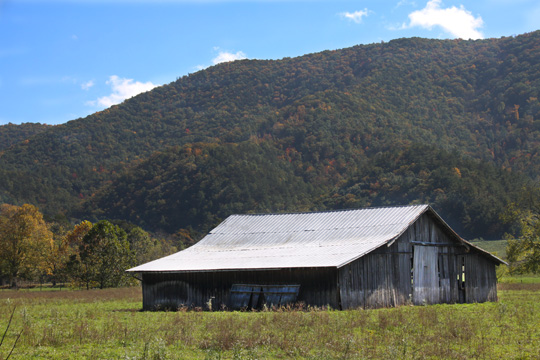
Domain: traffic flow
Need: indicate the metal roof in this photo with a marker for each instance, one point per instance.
(276, 241)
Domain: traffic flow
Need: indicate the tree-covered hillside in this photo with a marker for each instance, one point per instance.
(11, 134)
(193, 188)
(340, 127)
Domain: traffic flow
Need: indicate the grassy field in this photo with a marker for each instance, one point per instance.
(496, 247)
(107, 324)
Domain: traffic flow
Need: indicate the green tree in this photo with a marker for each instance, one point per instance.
(104, 255)
(65, 244)
(25, 241)
(523, 252)
(145, 248)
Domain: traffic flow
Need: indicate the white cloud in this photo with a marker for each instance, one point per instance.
(225, 56)
(456, 21)
(355, 16)
(122, 89)
(87, 85)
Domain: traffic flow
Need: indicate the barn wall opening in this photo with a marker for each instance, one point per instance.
(461, 279)
(250, 296)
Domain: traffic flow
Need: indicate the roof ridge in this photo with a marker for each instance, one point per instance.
(312, 230)
(332, 211)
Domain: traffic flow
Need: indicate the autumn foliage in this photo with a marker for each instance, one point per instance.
(84, 255)
(25, 242)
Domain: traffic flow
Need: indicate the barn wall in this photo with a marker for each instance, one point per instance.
(480, 279)
(379, 279)
(318, 287)
(423, 266)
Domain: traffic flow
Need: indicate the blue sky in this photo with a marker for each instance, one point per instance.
(65, 59)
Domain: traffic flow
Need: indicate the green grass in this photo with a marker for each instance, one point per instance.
(496, 247)
(107, 324)
(520, 279)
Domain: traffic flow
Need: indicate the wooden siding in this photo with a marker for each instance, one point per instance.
(381, 278)
(480, 279)
(425, 275)
(318, 287)
(423, 266)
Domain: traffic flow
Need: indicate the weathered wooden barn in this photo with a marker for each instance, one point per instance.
(363, 258)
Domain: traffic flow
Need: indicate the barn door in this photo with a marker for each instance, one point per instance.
(425, 275)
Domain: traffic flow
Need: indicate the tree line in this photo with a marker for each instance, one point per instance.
(86, 255)
(96, 255)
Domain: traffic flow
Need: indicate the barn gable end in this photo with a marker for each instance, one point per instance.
(367, 258)
(425, 265)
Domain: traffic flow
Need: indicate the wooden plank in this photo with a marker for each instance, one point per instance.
(435, 244)
(426, 289)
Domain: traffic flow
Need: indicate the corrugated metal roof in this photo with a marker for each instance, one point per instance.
(274, 241)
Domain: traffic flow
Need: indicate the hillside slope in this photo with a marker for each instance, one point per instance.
(11, 134)
(329, 114)
(196, 186)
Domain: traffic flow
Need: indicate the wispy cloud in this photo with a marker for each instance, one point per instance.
(87, 85)
(225, 56)
(405, 2)
(355, 16)
(46, 80)
(122, 89)
(458, 22)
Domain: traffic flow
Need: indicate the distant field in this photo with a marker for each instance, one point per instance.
(520, 279)
(496, 247)
(107, 324)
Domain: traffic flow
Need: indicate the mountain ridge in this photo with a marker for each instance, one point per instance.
(329, 112)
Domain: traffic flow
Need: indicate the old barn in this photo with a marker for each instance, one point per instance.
(362, 258)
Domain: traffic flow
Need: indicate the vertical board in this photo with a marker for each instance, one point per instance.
(242, 296)
(480, 279)
(425, 275)
(444, 259)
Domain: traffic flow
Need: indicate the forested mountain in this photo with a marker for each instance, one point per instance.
(201, 184)
(451, 122)
(11, 134)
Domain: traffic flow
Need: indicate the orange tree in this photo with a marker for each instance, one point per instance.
(25, 241)
(65, 244)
